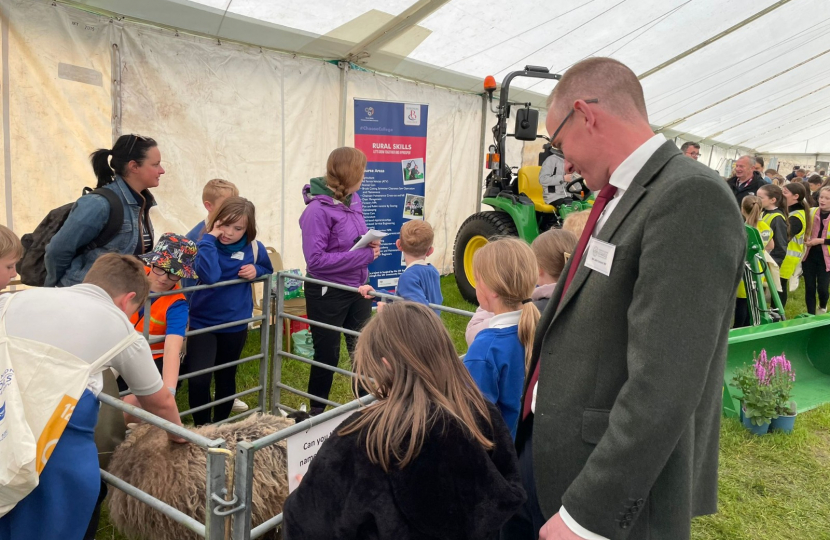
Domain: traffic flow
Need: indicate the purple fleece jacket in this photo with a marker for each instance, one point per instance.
(330, 229)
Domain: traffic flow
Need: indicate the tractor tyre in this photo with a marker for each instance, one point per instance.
(476, 231)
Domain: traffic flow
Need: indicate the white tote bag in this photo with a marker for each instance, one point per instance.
(39, 388)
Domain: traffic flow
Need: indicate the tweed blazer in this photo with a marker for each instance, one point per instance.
(628, 410)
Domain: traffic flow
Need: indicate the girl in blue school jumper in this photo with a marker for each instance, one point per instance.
(227, 251)
(505, 273)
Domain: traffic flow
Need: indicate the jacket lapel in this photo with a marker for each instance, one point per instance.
(626, 203)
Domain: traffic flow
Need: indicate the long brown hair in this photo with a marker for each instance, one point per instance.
(407, 359)
(508, 267)
(232, 210)
(344, 170)
(804, 200)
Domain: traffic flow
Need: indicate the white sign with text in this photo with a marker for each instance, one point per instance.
(302, 448)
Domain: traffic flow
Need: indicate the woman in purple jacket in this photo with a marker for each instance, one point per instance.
(331, 223)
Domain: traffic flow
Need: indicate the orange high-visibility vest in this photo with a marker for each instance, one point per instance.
(158, 318)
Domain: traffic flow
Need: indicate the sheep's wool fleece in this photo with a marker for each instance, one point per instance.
(175, 473)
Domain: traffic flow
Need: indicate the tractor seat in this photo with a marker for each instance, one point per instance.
(530, 186)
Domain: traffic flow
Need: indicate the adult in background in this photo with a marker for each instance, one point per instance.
(759, 168)
(746, 180)
(690, 149)
(619, 437)
(814, 185)
(129, 169)
(331, 225)
(87, 321)
(769, 175)
(790, 176)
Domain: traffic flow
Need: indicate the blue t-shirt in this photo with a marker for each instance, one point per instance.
(220, 305)
(176, 317)
(421, 283)
(496, 360)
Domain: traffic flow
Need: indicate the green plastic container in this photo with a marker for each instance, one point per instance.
(806, 342)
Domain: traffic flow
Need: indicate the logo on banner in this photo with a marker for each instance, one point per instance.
(370, 111)
(411, 115)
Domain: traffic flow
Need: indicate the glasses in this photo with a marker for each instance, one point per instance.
(132, 145)
(162, 272)
(567, 117)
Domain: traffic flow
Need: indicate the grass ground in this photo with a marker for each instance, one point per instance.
(774, 487)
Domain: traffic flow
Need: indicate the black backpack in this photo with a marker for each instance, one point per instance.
(32, 267)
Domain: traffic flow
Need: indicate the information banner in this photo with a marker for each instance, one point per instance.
(394, 138)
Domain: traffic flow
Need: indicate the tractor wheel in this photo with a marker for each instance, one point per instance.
(475, 233)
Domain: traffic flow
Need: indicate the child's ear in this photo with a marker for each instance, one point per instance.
(208, 206)
(398, 245)
(430, 251)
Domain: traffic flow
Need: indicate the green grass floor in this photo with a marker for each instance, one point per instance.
(775, 487)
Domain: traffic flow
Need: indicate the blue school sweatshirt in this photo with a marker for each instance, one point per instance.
(230, 303)
(496, 360)
(195, 234)
(420, 283)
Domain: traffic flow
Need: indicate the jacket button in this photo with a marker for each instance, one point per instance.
(640, 502)
(623, 525)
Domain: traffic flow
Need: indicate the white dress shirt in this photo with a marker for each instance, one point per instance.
(622, 178)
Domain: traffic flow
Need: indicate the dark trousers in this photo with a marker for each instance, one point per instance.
(206, 351)
(528, 520)
(816, 280)
(338, 308)
(742, 317)
(785, 289)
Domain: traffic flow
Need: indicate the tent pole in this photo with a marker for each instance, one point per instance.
(7, 149)
(481, 144)
(344, 101)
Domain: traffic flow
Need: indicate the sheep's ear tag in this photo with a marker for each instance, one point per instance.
(303, 408)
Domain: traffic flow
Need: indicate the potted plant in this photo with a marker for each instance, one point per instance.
(781, 378)
(758, 405)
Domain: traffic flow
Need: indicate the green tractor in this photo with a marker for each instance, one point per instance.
(519, 208)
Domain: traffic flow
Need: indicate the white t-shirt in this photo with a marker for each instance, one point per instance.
(82, 320)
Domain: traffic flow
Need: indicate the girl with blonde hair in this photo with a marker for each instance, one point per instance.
(430, 459)
(505, 271)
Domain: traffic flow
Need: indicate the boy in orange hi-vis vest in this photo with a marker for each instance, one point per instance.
(170, 261)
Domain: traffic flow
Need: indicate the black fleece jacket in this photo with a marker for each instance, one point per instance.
(453, 490)
(780, 239)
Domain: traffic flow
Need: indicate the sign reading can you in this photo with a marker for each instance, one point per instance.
(302, 448)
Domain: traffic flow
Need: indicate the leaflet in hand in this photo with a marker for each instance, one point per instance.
(368, 238)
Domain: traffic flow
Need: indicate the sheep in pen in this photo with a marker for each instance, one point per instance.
(176, 475)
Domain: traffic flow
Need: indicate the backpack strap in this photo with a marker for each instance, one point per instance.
(255, 245)
(98, 365)
(115, 221)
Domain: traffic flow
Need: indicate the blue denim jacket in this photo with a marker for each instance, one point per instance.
(65, 264)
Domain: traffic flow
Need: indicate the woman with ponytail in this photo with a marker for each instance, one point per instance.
(751, 209)
(800, 227)
(775, 216)
(331, 224)
(505, 272)
(129, 169)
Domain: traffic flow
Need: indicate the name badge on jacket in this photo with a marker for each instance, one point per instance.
(238, 256)
(599, 256)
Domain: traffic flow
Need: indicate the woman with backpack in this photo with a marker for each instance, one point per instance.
(129, 169)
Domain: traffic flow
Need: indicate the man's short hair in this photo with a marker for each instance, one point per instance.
(802, 171)
(760, 161)
(771, 172)
(815, 180)
(10, 245)
(689, 144)
(416, 238)
(119, 274)
(605, 79)
(750, 159)
(218, 188)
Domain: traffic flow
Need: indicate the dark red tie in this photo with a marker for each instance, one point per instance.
(605, 195)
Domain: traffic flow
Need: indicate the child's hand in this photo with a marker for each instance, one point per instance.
(247, 272)
(364, 290)
(375, 248)
(216, 232)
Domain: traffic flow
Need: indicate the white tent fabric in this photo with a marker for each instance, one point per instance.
(745, 73)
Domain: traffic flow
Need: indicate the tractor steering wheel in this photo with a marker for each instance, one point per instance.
(582, 192)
